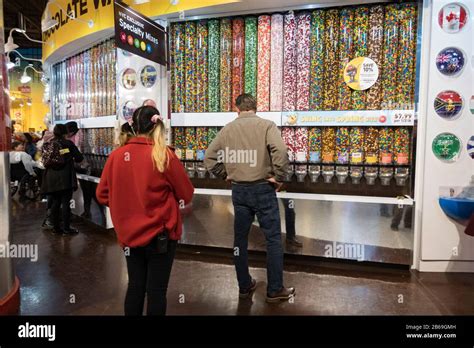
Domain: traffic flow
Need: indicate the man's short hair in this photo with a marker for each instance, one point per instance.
(15, 144)
(246, 102)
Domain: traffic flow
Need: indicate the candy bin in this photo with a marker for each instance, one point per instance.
(356, 138)
(401, 146)
(290, 171)
(314, 145)
(371, 145)
(386, 146)
(328, 144)
(342, 145)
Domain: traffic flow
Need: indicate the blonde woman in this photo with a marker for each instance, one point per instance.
(144, 183)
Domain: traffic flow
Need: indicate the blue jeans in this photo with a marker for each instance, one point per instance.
(250, 200)
(290, 217)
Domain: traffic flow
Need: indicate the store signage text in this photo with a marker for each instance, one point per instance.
(356, 118)
(75, 8)
(138, 34)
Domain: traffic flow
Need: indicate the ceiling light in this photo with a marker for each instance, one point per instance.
(12, 97)
(139, 2)
(28, 102)
(10, 45)
(9, 63)
(25, 78)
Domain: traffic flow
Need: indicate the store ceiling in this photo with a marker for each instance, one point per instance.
(24, 14)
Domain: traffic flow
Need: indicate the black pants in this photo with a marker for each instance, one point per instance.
(148, 272)
(61, 202)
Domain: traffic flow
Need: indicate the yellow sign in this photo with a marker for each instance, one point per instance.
(361, 73)
(96, 15)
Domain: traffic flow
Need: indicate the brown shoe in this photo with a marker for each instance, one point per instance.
(294, 242)
(283, 295)
(246, 293)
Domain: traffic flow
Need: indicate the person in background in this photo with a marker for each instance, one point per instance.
(144, 184)
(21, 164)
(254, 183)
(126, 133)
(30, 146)
(59, 181)
(47, 222)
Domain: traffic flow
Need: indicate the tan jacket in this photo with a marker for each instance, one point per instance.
(248, 149)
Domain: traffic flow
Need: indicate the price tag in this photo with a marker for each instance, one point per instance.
(301, 157)
(200, 155)
(178, 153)
(371, 159)
(328, 157)
(402, 158)
(403, 118)
(314, 157)
(386, 158)
(342, 158)
(189, 154)
(356, 157)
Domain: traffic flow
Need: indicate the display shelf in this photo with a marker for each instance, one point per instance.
(93, 122)
(320, 197)
(374, 118)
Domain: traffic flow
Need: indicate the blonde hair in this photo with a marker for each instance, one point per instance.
(159, 153)
(123, 138)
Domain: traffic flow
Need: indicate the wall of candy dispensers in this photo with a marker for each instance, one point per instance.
(84, 86)
(295, 62)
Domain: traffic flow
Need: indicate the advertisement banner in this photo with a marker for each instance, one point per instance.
(349, 118)
(138, 34)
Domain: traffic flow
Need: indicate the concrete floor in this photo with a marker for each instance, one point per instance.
(86, 275)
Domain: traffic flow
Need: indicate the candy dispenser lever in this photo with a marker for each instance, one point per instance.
(190, 169)
(356, 175)
(386, 176)
(401, 176)
(371, 175)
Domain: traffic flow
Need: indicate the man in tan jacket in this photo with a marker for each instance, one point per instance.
(250, 153)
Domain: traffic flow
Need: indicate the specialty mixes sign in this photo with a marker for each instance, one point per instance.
(138, 34)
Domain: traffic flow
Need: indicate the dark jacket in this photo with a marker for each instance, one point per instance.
(64, 176)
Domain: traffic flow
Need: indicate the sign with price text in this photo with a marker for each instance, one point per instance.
(375, 118)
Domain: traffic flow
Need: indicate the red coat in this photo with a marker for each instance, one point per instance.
(143, 202)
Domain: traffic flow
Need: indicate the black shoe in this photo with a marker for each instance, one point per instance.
(246, 293)
(47, 225)
(70, 231)
(394, 227)
(294, 242)
(283, 295)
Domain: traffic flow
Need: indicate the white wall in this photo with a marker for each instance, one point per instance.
(440, 238)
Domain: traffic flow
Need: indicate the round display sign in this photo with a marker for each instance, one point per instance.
(128, 109)
(129, 78)
(446, 146)
(448, 104)
(148, 76)
(450, 61)
(470, 147)
(361, 73)
(452, 18)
